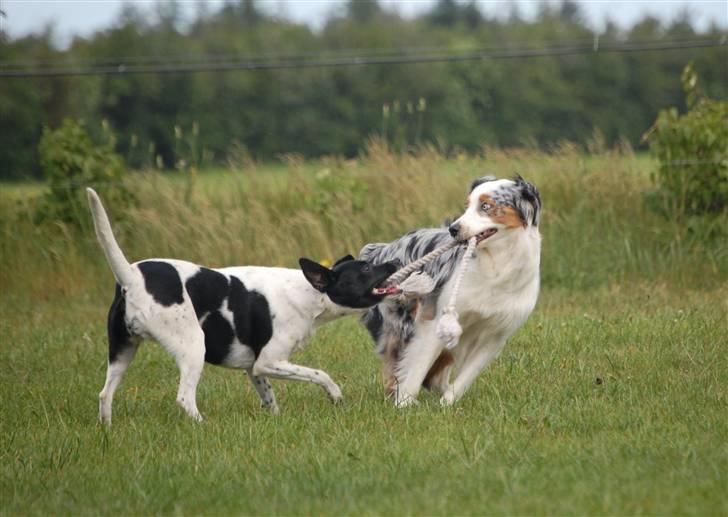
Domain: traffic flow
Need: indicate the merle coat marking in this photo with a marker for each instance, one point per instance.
(251, 318)
(497, 294)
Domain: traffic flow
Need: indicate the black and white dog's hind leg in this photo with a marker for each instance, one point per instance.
(265, 392)
(122, 349)
(178, 331)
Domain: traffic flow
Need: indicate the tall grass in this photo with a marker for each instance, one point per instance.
(611, 399)
(596, 228)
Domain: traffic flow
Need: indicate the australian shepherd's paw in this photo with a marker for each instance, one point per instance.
(448, 398)
(404, 400)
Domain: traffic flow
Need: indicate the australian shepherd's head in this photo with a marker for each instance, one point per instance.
(494, 208)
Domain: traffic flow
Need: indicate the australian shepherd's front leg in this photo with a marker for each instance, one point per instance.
(417, 359)
(471, 357)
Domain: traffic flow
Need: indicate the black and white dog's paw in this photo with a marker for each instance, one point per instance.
(335, 394)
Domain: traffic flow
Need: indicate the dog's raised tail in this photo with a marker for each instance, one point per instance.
(115, 257)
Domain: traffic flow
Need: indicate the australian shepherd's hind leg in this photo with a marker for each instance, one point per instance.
(438, 378)
(391, 347)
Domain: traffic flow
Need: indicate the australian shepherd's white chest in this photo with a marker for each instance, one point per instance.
(497, 294)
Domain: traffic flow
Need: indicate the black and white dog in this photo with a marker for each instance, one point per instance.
(252, 318)
(497, 294)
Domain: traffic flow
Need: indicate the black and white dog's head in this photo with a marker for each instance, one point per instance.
(494, 208)
(350, 283)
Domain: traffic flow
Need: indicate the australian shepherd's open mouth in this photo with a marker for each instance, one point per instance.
(485, 234)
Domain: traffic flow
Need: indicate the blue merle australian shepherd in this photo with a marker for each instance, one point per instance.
(496, 296)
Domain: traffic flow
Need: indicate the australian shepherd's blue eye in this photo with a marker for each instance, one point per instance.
(485, 207)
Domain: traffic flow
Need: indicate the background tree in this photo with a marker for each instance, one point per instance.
(333, 110)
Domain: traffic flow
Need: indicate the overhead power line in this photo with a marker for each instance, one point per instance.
(362, 60)
(190, 58)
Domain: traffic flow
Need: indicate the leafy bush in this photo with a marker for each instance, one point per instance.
(336, 186)
(692, 150)
(70, 162)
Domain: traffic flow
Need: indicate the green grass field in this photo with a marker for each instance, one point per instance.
(612, 399)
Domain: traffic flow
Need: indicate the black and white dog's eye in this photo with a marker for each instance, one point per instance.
(366, 268)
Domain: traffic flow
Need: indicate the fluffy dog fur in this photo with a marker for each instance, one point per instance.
(497, 294)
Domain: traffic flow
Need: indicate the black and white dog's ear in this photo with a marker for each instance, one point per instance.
(343, 259)
(529, 202)
(480, 181)
(318, 276)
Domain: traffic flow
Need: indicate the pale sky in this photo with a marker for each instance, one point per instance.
(83, 17)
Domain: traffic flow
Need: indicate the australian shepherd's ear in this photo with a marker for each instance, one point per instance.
(480, 181)
(528, 203)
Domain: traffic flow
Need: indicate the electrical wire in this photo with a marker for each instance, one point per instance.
(362, 60)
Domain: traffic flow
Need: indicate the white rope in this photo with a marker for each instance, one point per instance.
(410, 268)
(448, 328)
(464, 263)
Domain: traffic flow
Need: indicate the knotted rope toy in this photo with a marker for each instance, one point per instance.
(448, 328)
(419, 283)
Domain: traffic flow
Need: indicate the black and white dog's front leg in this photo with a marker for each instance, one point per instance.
(265, 392)
(276, 366)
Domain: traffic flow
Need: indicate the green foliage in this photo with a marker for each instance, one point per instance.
(71, 162)
(331, 111)
(693, 153)
(25, 107)
(336, 186)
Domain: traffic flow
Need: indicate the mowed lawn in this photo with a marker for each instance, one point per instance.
(613, 398)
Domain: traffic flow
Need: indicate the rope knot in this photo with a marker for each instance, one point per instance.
(448, 328)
